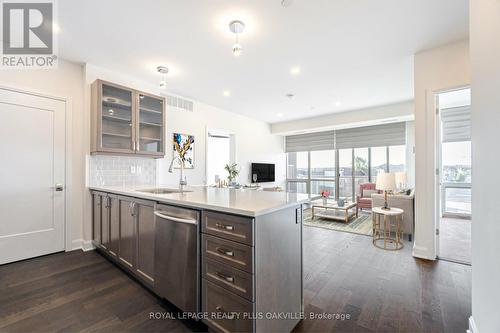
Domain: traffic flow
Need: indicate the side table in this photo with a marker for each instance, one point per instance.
(382, 231)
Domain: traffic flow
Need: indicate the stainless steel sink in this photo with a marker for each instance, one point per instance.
(161, 190)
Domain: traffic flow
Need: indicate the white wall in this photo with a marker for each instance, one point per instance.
(64, 82)
(370, 116)
(485, 57)
(253, 138)
(439, 69)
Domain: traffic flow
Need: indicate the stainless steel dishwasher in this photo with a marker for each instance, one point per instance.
(177, 264)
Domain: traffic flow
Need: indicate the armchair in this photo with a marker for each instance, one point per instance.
(362, 200)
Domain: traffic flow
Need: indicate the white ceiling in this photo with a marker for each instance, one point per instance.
(358, 53)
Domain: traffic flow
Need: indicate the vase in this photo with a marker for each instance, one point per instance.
(341, 202)
(325, 201)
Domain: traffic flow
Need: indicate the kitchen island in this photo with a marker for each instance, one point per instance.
(229, 257)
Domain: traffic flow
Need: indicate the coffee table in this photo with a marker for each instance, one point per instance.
(331, 210)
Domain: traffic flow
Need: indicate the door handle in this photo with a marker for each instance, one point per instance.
(59, 187)
(175, 219)
(224, 226)
(225, 252)
(225, 277)
(131, 208)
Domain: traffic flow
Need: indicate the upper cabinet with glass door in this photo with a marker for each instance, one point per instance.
(126, 121)
(150, 127)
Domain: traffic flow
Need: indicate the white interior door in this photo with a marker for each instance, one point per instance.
(32, 147)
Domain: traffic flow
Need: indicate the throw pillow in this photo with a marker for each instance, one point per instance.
(368, 193)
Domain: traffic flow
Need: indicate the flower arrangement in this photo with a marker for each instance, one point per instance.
(325, 193)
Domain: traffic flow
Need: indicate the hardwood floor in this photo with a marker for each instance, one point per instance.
(455, 239)
(381, 291)
(78, 292)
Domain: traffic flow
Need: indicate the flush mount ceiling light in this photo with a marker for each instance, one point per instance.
(163, 70)
(295, 70)
(290, 96)
(236, 27)
(226, 93)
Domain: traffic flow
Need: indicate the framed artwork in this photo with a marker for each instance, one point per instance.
(183, 146)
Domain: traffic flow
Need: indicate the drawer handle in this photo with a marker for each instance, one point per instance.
(225, 277)
(224, 226)
(225, 252)
(229, 315)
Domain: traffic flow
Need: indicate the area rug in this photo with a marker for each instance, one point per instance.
(361, 225)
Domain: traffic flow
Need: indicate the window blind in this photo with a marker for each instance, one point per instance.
(393, 134)
(456, 124)
(310, 142)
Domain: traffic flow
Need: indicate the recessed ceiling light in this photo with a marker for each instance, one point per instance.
(338, 103)
(279, 114)
(290, 96)
(226, 93)
(295, 70)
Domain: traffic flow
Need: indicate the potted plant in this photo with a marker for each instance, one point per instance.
(233, 172)
(325, 194)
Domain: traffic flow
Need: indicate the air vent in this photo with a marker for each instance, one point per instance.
(179, 103)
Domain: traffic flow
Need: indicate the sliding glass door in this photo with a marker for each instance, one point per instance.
(361, 168)
(345, 174)
(323, 171)
(298, 172)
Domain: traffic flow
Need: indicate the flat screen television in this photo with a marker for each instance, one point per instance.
(264, 172)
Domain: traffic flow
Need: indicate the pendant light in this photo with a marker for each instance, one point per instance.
(237, 27)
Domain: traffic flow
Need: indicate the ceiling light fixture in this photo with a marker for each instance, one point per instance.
(237, 27)
(290, 96)
(226, 93)
(338, 103)
(279, 114)
(163, 70)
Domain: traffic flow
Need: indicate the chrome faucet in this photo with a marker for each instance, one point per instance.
(182, 179)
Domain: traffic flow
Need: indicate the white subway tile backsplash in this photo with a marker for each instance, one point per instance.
(122, 171)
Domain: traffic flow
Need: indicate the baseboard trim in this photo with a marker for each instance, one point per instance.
(80, 244)
(422, 252)
(88, 246)
(472, 326)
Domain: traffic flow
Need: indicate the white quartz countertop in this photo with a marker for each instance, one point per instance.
(236, 201)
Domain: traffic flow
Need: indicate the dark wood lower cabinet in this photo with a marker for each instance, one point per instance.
(124, 230)
(105, 215)
(250, 268)
(145, 232)
(128, 240)
(114, 226)
(96, 216)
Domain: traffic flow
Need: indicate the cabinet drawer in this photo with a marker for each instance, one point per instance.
(230, 278)
(226, 311)
(236, 228)
(231, 253)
